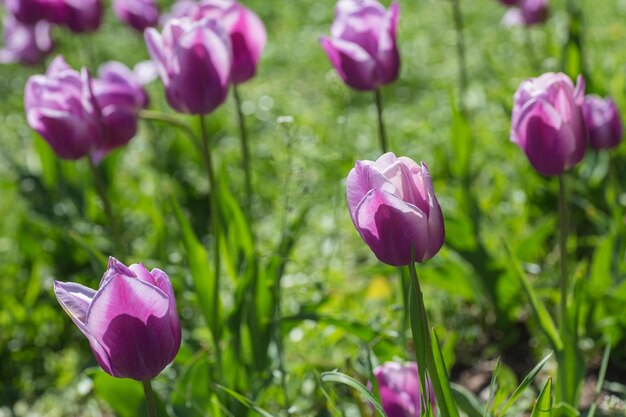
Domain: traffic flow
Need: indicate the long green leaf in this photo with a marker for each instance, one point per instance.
(524, 384)
(539, 309)
(445, 401)
(201, 271)
(340, 378)
(492, 387)
(467, 401)
(543, 406)
(245, 401)
(564, 410)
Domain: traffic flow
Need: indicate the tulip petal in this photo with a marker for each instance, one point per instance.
(392, 227)
(361, 179)
(75, 300)
(131, 320)
(248, 38)
(354, 65)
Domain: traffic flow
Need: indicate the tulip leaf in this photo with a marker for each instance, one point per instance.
(245, 401)
(201, 271)
(445, 397)
(565, 410)
(492, 387)
(524, 384)
(543, 406)
(539, 309)
(467, 401)
(49, 163)
(340, 378)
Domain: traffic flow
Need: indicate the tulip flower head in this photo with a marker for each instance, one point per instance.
(79, 116)
(526, 13)
(28, 44)
(547, 122)
(33, 11)
(399, 387)
(603, 122)
(194, 59)
(393, 207)
(363, 43)
(83, 15)
(131, 321)
(139, 14)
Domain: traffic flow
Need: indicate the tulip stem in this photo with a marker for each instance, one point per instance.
(382, 136)
(150, 403)
(563, 371)
(214, 206)
(460, 50)
(245, 153)
(106, 203)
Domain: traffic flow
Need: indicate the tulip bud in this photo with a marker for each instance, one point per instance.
(509, 3)
(547, 122)
(131, 321)
(362, 46)
(80, 116)
(28, 44)
(527, 13)
(603, 122)
(33, 11)
(399, 387)
(393, 207)
(83, 15)
(139, 14)
(247, 34)
(194, 59)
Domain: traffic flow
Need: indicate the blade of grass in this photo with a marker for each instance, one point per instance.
(524, 384)
(543, 406)
(492, 387)
(344, 379)
(601, 378)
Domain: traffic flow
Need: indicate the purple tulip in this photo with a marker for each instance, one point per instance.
(399, 387)
(139, 14)
(83, 15)
(509, 3)
(33, 11)
(131, 322)
(363, 46)
(603, 122)
(547, 122)
(28, 44)
(194, 59)
(527, 13)
(393, 207)
(80, 116)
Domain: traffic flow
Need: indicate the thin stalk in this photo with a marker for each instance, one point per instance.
(532, 57)
(150, 403)
(382, 136)
(214, 207)
(245, 154)
(157, 116)
(106, 203)
(460, 50)
(563, 323)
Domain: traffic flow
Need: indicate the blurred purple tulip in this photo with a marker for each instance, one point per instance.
(509, 3)
(33, 11)
(80, 116)
(131, 321)
(393, 207)
(547, 122)
(362, 46)
(399, 387)
(194, 59)
(83, 15)
(603, 122)
(28, 44)
(527, 13)
(139, 14)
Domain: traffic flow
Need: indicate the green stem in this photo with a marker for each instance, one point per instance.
(563, 322)
(460, 51)
(158, 116)
(245, 153)
(382, 136)
(150, 403)
(106, 203)
(528, 40)
(214, 207)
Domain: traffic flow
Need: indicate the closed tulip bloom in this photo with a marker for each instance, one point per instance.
(509, 2)
(547, 122)
(139, 14)
(28, 44)
(194, 60)
(83, 15)
(61, 107)
(603, 122)
(363, 43)
(247, 34)
(33, 11)
(399, 387)
(131, 321)
(393, 207)
(527, 13)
